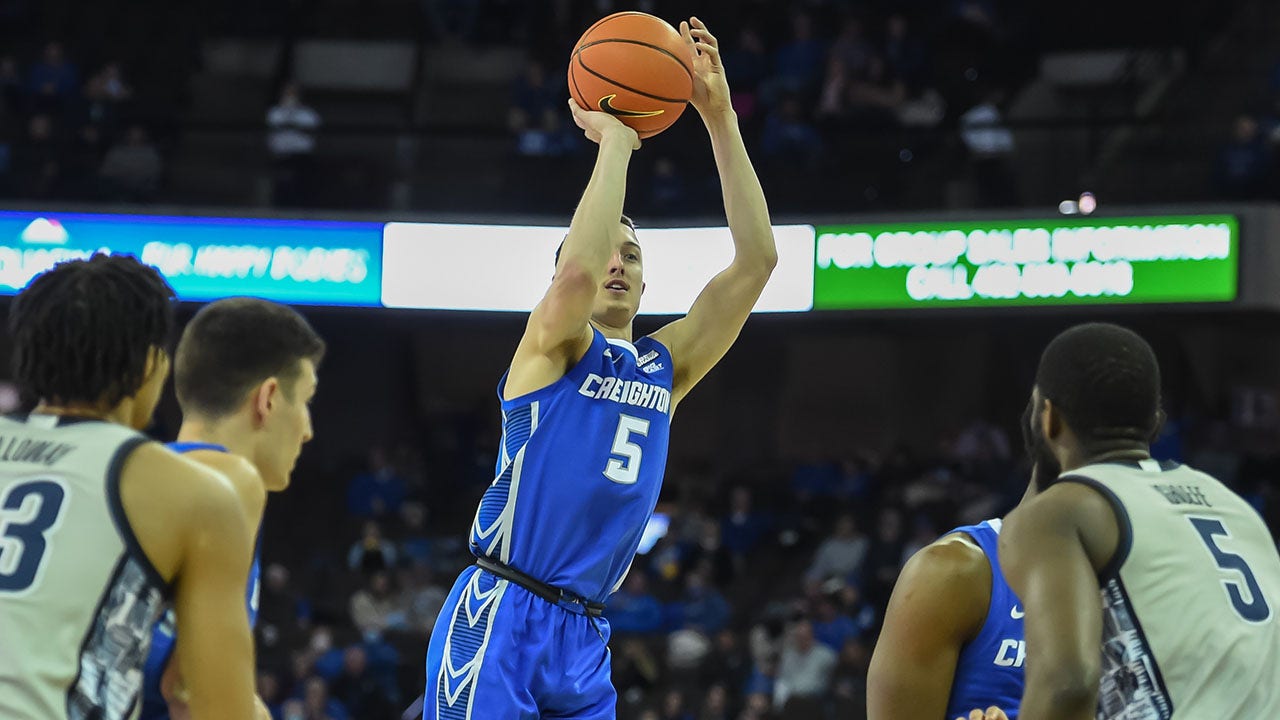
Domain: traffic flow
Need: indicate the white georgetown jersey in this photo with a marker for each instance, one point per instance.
(1189, 600)
(78, 598)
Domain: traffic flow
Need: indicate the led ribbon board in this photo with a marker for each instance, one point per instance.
(294, 261)
(1174, 259)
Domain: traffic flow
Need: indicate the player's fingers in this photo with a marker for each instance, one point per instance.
(686, 33)
(994, 713)
(976, 714)
(704, 34)
(710, 51)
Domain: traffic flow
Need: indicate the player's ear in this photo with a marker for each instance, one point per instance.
(265, 397)
(642, 287)
(1050, 419)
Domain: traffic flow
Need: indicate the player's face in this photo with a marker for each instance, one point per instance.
(148, 396)
(618, 298)
(288, 429)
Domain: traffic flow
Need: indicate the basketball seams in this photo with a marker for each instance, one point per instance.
(659, 48)
(578, 56)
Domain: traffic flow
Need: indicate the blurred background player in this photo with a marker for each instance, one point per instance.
(586, 414)
(103, 526)
(1188, 573)
(952, 638)
(245, 374)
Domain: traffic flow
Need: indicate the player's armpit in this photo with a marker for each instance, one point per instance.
(215, 647)
(1045, 559)
(939, 602)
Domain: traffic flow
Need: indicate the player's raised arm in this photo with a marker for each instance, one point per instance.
(938, 603)
(558, 327)
(700, 339)
(1050, 550)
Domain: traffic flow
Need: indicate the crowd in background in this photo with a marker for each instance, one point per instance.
(762, 601)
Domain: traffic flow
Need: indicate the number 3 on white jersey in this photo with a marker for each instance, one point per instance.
(625, 471)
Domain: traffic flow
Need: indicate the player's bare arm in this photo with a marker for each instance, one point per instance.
(701, 338)
(559, 332)
(1051, 550)
(939, 603)
(251, 492)
(166, 496)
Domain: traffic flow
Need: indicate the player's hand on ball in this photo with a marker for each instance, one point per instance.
(710, 88)
(596, 125)
(992, 713)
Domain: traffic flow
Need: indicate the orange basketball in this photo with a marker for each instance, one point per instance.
(634, 66)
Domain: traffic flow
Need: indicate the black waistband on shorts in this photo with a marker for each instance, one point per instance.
(547, 592)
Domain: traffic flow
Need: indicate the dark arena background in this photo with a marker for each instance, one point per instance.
(953, 182)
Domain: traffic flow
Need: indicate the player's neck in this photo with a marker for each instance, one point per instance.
(1110, 452)
(225, 432)
(120, 414)
(613, 333)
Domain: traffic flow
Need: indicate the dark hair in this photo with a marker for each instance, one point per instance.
(625, 221)
(232, 345)
(83, 330)
(1105, 380)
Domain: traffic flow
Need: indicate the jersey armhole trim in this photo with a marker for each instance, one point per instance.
(545, 391)
(1125, 543)
(132, 546)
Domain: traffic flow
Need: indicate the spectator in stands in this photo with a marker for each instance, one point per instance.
(905, 52)
(378, 491)
(839, 556)
(317, 705)
(537, 115)
(831, 626)
(420, 597)
(372, 552)
(849, 684)
(53, 80)
(851, 49)
(884, 558)
(132, 167)
(1244, 166)
(728, 664)
(709, 552)
(748, 64)
(106, 93)
(743, 528)
(991, 146)
(798, 64)
(415, 546)
(716, 704)
(805, 670)
(790, 142)
(673, 707)
(292, 142)
(283, 615)
(702, 607)
(669, 193)
(358, 690)
(633, 609)
(452, 20)
(374, 608)
(38, 161)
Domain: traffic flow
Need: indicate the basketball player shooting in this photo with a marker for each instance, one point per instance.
(1187, 571)
(586, 413)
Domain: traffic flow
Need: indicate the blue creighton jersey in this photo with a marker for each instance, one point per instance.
(163, 637)
(580, 468)
(989, 670)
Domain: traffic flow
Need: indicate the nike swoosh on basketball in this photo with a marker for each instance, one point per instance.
(1016, 614)
(606, 105)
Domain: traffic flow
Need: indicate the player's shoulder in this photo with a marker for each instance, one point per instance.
(243, 475)
(952, 558)
(174, 476)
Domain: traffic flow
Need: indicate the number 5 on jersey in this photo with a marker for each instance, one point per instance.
(624, 461)
(1249, 604)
